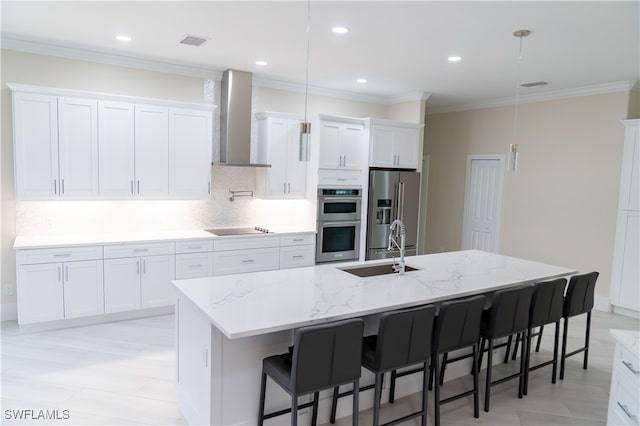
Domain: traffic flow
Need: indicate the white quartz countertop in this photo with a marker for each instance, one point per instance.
(257, 303)
(49, 241)
(630, 339)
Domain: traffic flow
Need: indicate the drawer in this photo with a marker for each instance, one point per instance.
(240, 261)
(245, 242)
(194, 265)
(342, 178)
(194, 246)
(114, 251)
(297, 239)
(623, 402)
(297, 256)
(58, 254)
(628, 366)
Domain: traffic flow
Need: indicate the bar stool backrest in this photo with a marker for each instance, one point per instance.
(326, 355)
(547, 302)
(579, 297)
(458, 324)
(509, 313)
(404, 337)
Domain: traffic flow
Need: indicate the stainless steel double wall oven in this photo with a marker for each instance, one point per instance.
(338, 237)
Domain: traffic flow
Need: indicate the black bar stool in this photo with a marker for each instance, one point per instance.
(578, 300)
(403, 339)
(323, 356)
(457, 327)
(508, 315)
(546, 308)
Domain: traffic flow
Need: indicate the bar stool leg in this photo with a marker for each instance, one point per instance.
(487, 389)
(356, 401)
(476, 403)
(334, 404)
(392, 387)
(263, 386)
(539, 338)
(523, 363)
(376, 400)
(564, 347)
(507, 351)
(586, 342)
(554, 366)
(314, 416)
(526, 366)
(294, 410)
(515, 346)
(443, 368)
(436, 390)
(482, 341)
(425, 380)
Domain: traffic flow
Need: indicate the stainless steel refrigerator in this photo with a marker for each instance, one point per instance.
(393, 195)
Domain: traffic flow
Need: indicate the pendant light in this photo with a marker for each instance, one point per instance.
(305, 126)
(513, 147)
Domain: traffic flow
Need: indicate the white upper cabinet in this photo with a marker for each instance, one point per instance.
(394, 144)
(341, 145)
(83, 145)
(78, 146)
(190, 144)
(116, 149)
(152, 150)
(35, 135)
(134, 150)
(56, 146)
(279, 145)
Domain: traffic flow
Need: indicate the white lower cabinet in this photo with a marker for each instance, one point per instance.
(624, 395)
(194, 265)
(132, 281)
(52, 289)
(297, 250)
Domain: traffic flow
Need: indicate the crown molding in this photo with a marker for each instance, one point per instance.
(597, 89)
(407, 97)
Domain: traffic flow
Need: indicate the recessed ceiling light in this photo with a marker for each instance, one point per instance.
(123, 38)
(454, 58)
(361, 80)
(261, 63)
(340, 30)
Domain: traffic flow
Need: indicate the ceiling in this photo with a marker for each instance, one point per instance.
(399, 47)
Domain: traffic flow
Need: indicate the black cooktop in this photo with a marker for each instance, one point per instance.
(237, 231)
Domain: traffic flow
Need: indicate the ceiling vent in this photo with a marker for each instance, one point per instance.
(535, 84)
(193, 40)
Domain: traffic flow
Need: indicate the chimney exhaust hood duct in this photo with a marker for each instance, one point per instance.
(235, 119)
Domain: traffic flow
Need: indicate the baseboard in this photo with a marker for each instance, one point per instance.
(601, 303)
(9, 312)
(626, 312)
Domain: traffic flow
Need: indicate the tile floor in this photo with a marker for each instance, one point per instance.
(123, 374)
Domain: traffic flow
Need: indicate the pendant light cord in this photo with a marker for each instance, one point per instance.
(515, 115)
(306, 86)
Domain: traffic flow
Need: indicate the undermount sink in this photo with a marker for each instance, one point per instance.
(374, 270)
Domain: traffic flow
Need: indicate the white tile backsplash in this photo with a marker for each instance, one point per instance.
(104, 216)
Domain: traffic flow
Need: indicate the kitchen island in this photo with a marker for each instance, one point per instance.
(226, 325)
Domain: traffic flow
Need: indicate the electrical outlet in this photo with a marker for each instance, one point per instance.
(8, 289)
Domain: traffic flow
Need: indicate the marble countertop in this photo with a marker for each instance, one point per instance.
(630, 339)
(49, 241)
(257, 303)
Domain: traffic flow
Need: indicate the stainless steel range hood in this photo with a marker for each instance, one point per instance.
(235, 119)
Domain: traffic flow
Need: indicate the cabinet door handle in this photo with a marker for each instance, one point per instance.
(138, 187)
(66, 273)
(62, 255)
(284, 188)
(209, 189)
(194, 246)
(289, 187)
(140, 250)
(138, 267)
(248, 261)
(131, 187)
(199, 266)
(144, 266)
(627, 412)
(62, 180)
(299, 256)
(630, 367)
(297, 240)
(341, 179)
(55, 186)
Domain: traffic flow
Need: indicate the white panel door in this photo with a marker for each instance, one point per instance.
(629, 270)
(116, 147)
(78, 146)
(296, 169)
(277, 155)
(483, 202)
(190, 143)
(83, 289)
(330, 152)
(152, 150)
(40, 293)
(352, 143)
(382, 151)
(407, 148)
(35, 134)
(122, 284)
(157, 273)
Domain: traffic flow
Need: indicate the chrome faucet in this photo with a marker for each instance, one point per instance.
(399, 267)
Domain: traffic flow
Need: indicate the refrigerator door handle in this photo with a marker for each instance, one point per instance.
(401, 217)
